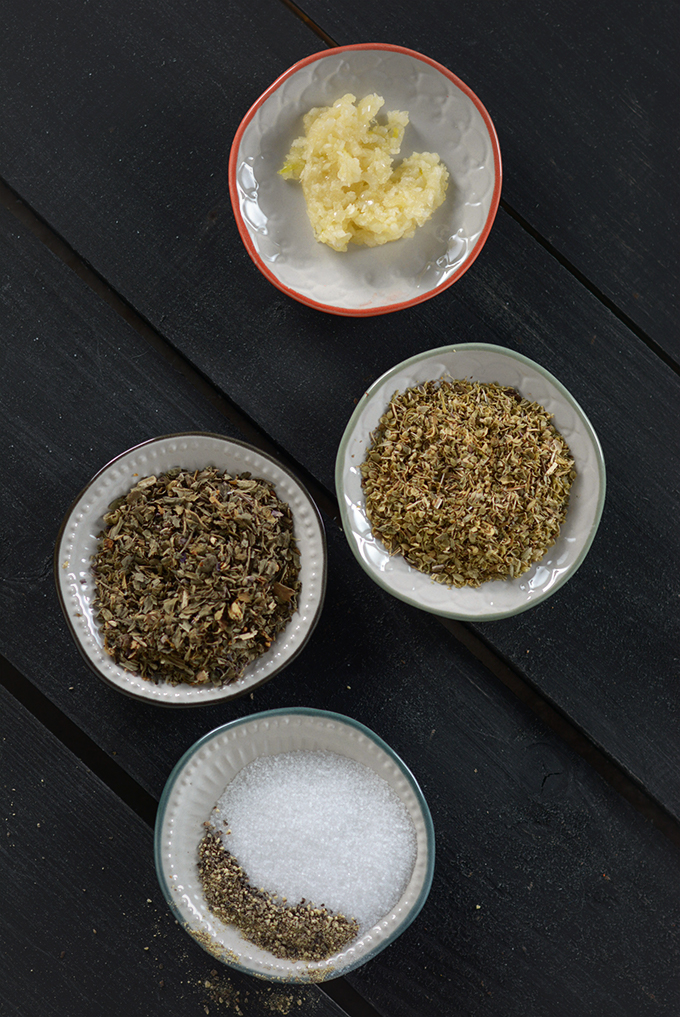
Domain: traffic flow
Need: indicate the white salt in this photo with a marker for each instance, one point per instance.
(319, 826)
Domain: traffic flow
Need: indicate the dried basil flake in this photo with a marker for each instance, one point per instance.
(196, 573)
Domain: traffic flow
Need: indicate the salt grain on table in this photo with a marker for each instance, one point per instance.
(319, 826)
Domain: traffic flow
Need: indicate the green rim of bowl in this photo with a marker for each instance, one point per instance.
(308, 712)
(453, 613)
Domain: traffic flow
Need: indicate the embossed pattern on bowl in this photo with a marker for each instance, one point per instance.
(491, 600)
(196, 784)
(78, 541)
(445, 117)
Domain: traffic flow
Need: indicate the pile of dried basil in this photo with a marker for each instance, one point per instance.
(468, 481)
(196, 573)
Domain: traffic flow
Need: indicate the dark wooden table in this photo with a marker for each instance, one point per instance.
(547, 745)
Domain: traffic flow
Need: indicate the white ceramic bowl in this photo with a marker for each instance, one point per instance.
(445, 117)
(196, 784)
(491, 600)
(78, 539)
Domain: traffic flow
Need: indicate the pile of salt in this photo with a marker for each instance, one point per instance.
(319, 826)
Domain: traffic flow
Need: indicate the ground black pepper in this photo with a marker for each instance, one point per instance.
(292, 932)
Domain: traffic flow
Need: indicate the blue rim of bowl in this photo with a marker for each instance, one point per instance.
(60, 536)
(305, 712)
(340, 486)
(385, 308)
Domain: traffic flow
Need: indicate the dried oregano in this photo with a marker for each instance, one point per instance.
(299, 931)
(468, 481)
(196, 573)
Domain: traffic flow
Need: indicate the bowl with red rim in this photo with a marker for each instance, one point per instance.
(445, 116)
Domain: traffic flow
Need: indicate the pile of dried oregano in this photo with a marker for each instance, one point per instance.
(467, 480)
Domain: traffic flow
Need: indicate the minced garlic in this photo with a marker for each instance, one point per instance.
(353, 194)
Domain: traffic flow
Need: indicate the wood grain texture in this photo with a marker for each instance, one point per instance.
(168, 242)
(583, 99)
(533, 849)
(84, 928)
(298, 373)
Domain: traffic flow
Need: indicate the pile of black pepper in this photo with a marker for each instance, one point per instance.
(196, 574)
(293, 932)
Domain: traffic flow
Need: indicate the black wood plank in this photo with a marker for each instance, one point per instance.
(583, 95)
(534, 851)
(172, 248)
(84, 928)
(603, 649)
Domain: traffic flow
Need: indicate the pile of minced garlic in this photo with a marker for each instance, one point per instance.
(353, 193)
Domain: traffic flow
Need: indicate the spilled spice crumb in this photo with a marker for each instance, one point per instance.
(221, 993)
(281, 1002)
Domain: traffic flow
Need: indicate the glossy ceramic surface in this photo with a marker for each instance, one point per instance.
(78, 540)
(492, 600)
(197, 783)
(445, 117)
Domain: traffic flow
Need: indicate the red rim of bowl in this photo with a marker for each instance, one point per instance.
(243, 229)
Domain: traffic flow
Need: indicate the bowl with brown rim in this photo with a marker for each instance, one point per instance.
(79, 540)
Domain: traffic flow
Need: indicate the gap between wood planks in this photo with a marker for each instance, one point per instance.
(108, 770)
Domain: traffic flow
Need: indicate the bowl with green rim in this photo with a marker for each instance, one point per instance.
(495, 599)
(196, 785)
